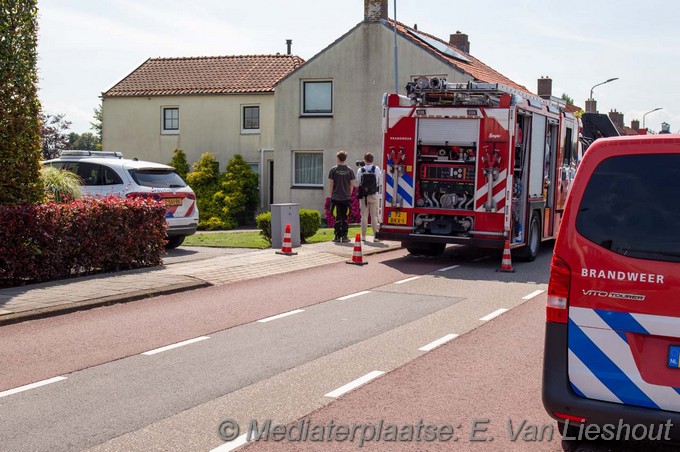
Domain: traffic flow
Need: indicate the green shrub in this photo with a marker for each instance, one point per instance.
(310, 222)
(205, 181)
(264, 224)
(212, 224)
(179, 162)
(238, 195)
(61, 185)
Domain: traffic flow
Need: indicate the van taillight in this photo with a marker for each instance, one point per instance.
(558, 291)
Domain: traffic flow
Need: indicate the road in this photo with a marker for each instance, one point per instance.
(115, 385)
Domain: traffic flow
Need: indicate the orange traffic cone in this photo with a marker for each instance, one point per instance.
(357, 258)
(506, 263)
(287, 247)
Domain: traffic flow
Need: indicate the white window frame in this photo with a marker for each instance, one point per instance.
(303, 93)
(245, 131)
(165, 131)
(293, 169)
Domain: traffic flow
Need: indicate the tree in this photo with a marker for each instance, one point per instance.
(98, 124)
(205, 181)
(566, 97)
(239, 195)
(20, 181)
(179, 162)
(54, 135)
(87, 141)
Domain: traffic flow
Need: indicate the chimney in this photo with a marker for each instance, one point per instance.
(617, 118)
(289, 43)
(544, 87)
(460, 41)
(635, 124)
(375, 10)
(591, 106)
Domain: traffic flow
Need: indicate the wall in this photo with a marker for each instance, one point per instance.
(361, 66)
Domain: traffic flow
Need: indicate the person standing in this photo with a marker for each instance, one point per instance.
(369, 177)
(341, 177)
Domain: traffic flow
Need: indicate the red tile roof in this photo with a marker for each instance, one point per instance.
(206, 75)
(475, 68)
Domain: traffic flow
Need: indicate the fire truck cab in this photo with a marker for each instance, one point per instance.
(475, 163)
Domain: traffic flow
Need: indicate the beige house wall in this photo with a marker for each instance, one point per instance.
(208, 123)
(361, 66)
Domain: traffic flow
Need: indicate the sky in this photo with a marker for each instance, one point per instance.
(87, 46)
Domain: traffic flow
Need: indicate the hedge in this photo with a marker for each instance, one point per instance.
(43, 242)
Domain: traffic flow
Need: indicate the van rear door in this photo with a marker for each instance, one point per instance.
(624, 297)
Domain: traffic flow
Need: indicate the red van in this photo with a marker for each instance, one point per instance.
(612, 345)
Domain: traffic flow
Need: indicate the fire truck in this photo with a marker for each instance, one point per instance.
(476, 164)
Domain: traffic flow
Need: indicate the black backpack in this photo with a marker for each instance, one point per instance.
(369, 183)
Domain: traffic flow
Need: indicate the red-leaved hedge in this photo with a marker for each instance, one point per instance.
(49, 241)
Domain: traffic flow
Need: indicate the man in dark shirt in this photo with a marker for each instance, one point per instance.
(341, 177)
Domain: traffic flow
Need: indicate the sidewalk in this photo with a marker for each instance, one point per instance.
(59, 297)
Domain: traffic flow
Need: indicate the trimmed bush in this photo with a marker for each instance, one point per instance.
(179, 162)
(50, 241)
(310, 222)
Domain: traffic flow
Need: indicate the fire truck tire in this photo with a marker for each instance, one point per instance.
(530, 251)
(425, 249)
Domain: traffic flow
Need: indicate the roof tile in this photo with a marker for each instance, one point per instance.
(206, 75)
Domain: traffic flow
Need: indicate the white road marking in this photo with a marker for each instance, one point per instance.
(480, 258)
(279, 316)
(448, 268)
(355, 384)
(231, 445)
(171, 346)
(37, 384)
(493, 314)
(347, 297)
(434, 344)
(407, 280)
(533, 294)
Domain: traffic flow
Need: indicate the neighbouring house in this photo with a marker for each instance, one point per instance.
(334, 100)
(223, 105)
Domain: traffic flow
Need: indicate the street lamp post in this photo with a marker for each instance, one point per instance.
(643, 116)
(606, 81)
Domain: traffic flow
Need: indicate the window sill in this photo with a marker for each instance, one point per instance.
(250, 131)
(320, 115)
(169, 132)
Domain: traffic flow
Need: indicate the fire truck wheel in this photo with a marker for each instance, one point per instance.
(425, 249)
(530, 251)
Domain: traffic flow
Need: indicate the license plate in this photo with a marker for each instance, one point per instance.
(674, 356)
(173, 201)
(396, 218)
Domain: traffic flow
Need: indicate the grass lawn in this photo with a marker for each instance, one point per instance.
(253, 239)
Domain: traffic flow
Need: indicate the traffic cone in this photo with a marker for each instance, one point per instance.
(287, 247)
(357, 258)
(506, 263)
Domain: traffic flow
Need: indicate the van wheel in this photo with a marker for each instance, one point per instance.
(530, 251)
(174, 241)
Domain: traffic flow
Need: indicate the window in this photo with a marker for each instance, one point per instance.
(157, 178)
(170, 120)
(627, 206)
(251, 119)
(317, 98)
(308, 168)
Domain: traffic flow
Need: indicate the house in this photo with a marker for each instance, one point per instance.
(223, 105)
(334, 100)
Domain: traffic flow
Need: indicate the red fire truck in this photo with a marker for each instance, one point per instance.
(475, 163)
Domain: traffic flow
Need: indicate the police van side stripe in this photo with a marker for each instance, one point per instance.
(600, 365)
(621, 321)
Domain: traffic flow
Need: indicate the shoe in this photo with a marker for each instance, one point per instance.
(375, 240)
(336, 239)
(363, 239)
(345, 240)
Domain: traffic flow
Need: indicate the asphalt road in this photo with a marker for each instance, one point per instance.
(123, 391)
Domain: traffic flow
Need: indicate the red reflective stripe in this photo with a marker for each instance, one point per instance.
(570, 417)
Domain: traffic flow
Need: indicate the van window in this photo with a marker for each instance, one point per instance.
(631, 206)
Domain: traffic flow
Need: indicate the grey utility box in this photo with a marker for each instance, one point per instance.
(283, 214)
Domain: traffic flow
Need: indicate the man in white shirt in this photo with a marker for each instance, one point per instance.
(369, 177)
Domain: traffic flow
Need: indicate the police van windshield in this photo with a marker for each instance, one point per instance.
(631, 206)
